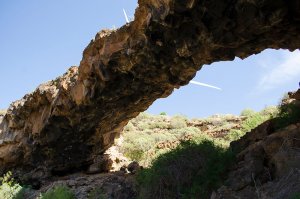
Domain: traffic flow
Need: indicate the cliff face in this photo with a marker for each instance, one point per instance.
(66, 123)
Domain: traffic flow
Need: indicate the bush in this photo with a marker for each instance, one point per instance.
(271, 111)
(143, 116)
(217, 121)
(163, 137)
(235, 134)
(136, 144)
(247, 112)
(178, 133)
(192, 170)
(158, 124)
(288, 114)
(9, 189)
(178, 122)
(61, 192)
(250, 123)
(143, 126)
(253, 121)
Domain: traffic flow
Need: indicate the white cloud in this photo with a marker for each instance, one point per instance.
(284, 72)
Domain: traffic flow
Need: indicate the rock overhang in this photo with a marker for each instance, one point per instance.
(66, 123)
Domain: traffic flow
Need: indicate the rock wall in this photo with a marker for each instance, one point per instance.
(66, 123)
(268, 163)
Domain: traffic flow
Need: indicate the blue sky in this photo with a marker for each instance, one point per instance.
(40, 39)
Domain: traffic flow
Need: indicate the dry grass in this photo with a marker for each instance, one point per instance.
(2, 112)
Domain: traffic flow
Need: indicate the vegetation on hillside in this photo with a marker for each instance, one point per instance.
(148, 136)
(288, 113)
(61, 192)
(253, 120)
(195, 166)
(2, 112)
(192, 170)
(142, 134)
(10, 189)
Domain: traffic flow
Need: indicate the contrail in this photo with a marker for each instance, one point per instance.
(206, 85)
(127, 20)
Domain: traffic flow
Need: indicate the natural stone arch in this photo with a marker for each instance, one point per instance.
(66, 123)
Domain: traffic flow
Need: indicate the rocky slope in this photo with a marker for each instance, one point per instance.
(66, 124)
(268, 164)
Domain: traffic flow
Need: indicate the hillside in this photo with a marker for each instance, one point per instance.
(148, 136)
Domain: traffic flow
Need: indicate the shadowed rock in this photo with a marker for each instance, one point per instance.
(67, 123)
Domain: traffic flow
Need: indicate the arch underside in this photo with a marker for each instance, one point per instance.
(66, 123)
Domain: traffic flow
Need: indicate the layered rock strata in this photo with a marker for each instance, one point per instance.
(67, 123)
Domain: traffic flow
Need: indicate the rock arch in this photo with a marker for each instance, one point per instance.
(66, 123)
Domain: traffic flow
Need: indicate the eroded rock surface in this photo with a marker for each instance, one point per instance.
(116, 185)
(268, 164)
(66, 124)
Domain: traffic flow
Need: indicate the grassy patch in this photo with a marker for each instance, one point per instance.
(190, 171)
(61, 192)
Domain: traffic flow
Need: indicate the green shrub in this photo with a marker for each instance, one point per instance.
(192, 170)
(178, 133)
(288, 114)
(143, 126)
(163, 137)
(253, 121)
(158, 124)
(58, 192)
(10, 189)
(271, 111)
(132, 152)
(178, 122)
(216, 121)
(163, 113)
(250, 123)
(247, 112)
(142, 116)
(136, 144)
(235, 134)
